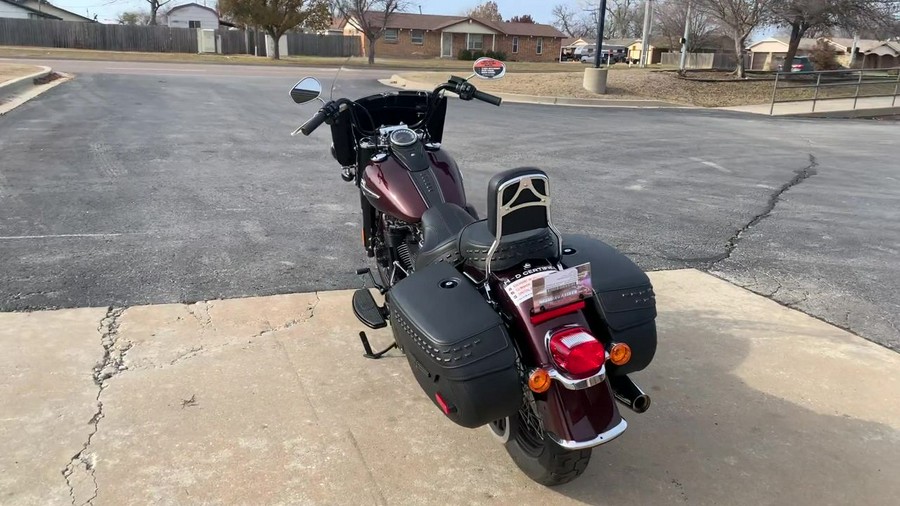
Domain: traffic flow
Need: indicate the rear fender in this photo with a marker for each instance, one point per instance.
(574, 417)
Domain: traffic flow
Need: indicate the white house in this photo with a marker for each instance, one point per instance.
(193, 15)
(11, 9)
(48, 8)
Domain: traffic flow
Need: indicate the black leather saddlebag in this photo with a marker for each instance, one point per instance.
(457, 346)
(625, 306)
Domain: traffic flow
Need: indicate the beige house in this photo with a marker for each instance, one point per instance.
(882, 55)
(769, 53)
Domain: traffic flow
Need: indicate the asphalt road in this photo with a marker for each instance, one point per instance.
(148, 183)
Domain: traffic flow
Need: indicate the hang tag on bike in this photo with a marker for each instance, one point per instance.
(489, 68)
(562, 288)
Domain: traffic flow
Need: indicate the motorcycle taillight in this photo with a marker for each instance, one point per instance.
(577, 352)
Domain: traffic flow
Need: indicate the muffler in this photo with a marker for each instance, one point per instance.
(629, 394)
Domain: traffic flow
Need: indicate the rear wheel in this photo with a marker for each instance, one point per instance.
(537, 455)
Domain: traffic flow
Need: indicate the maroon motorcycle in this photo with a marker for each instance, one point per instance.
(505, 322)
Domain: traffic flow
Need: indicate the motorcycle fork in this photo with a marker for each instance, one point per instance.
(369, 220)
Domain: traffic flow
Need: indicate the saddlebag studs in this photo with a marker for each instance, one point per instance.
(457, 346)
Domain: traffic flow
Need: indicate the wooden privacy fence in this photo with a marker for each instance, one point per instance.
(310, 44)
(162, 39)
(75, 35)
(701, 60)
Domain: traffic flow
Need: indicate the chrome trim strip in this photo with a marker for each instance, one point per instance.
(580, 384)
(567, 382)
(365, 189)
(597, 441)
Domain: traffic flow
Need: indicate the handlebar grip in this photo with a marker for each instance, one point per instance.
(314, 122)
(487, 97)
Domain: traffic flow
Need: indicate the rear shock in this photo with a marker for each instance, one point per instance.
(405, 256)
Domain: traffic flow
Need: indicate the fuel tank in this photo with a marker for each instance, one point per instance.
(406, 194)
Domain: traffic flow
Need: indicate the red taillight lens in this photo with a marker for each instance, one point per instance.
(577, 352)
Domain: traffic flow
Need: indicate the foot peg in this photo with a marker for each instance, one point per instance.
(368, 312)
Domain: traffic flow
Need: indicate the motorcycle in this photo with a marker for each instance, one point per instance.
(504, 321)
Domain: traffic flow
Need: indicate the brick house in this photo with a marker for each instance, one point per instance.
(410, 35)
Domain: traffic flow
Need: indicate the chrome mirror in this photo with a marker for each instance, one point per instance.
(307, 90)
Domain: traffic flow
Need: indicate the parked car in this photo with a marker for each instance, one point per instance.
(802, 64)
(605, 58)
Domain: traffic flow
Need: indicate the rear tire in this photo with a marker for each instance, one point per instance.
(539, 457)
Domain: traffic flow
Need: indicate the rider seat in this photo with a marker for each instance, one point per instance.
(441, 225)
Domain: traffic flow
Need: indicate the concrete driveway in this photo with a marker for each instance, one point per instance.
(269, 401)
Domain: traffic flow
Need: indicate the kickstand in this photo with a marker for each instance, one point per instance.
(368, 348)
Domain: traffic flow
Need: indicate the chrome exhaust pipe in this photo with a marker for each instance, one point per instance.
(629, 394)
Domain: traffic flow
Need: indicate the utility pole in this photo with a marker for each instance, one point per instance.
(645, 39)
(684, 40)
(853, 51)
(601, 21)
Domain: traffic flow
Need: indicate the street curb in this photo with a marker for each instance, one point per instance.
(18, 91)
(396, 81)
(16, 86)
(873, 112)
(852, 114)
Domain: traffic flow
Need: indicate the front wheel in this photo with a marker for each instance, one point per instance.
(535, 453)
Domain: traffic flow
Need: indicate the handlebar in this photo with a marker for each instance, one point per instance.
(458, 85)
(315, 122)
(487, 97)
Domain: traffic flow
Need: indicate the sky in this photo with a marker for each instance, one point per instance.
(108, 10)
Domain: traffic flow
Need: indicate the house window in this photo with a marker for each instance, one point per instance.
(391, 35)
(417, 36)
(539, 47)
(515, 44)
(193, 24)
(476, 41)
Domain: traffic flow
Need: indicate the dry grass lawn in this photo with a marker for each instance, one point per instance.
(318, 61)
(632, 84)
(10, 71)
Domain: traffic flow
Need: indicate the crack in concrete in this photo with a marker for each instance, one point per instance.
(111, 364)
(200, 311)
(732, 243)
(191, 353)
(198, 350)
(310, 314)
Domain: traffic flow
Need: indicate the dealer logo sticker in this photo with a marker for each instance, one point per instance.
(489, 68)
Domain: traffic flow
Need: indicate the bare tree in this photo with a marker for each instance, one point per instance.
(276, 17)
(133, 18)
(815, 17)
(624, 18)
(571, 22)
(740, 18)
(670, 21)
(488, 10)
(369, 17)
(154, 7)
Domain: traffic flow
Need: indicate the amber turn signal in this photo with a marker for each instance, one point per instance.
(539, 381)
(620, 354)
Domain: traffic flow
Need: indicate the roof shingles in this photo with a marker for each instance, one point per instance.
(410, 21)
